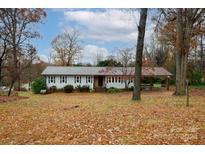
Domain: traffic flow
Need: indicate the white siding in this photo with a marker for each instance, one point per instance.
(70, 80)
(116, 83)
(83, 82)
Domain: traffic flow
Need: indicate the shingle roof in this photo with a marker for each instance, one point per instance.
(146, 71)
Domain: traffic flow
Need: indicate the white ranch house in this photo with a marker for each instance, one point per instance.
(97, 77)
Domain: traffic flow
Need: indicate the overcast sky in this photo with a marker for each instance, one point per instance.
(101, 30)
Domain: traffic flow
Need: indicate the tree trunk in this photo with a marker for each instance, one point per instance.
(0, 72)
(11, 86)
(178, 73)
(202, 59)
(19, 84)
(19, 78)
(184, 33)
(138, 58)
(29, 78)
(181, 59)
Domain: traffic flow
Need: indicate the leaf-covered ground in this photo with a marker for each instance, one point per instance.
(100, 118)
(5, 99)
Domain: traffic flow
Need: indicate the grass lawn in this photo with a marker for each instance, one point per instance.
(100, 118)
(198, 87)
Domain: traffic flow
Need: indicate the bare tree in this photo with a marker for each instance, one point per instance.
(3, 45)
(139, 52)
(3, 52)
(98, 57)
(66, 48)
(50, 58)
(18, 25)
(126, 59)
(157, 52)
(27, 60)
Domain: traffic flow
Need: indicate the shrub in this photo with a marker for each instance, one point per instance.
(84, 88)
(68, 89)
(38, 84)
(23, 89)
(1, 84)
(131, 88)
(156, 85)
(197, 76)
(92, 90)
(78, 87)
(172, 81)
(112, 90)
(53, 89)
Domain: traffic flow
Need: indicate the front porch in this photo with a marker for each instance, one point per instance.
(99, 84)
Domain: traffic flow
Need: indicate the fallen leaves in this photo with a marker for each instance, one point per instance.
(5, 99)
(99, 118)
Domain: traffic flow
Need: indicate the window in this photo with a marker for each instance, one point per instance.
(116, 79)
(122, 80)
(119, 79)
(51, 79)
(77, 79)
(109, 79)
(88, 79)
(113, 79)
(63, 79)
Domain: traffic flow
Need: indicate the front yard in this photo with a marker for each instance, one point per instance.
(101, 118)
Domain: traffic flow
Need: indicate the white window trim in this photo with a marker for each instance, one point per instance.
(77, 79)
(63, 79)
(131, 80)
(88, 79)
(119, 79)
(113, 79)
(109, 79)
(51, 79)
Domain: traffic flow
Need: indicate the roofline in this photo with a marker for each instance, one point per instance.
(104, 75)
(169, 74)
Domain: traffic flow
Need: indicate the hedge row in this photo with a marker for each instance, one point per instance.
(39, 84)
(69, 89)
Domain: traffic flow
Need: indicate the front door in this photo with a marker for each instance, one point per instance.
(100, 81)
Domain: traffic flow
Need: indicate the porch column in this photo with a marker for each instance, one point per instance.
(167, 84)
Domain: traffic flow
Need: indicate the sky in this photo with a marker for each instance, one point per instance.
(102, 31)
